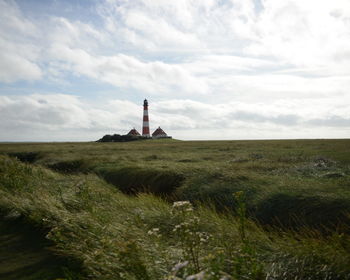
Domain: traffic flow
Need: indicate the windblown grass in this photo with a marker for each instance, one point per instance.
(111, 235)
(287, 182)
(299, 190)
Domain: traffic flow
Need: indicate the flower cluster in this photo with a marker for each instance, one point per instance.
(189, 233)
(182, 206)
(154, 232)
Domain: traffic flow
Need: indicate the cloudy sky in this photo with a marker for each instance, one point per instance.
(75, 70)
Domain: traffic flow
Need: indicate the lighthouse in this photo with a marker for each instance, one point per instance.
(145, 125)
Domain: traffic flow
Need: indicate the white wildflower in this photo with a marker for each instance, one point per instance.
(179, 266)
(155, 232)
(178, 204)
(198, 276)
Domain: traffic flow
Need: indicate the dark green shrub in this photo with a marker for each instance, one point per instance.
(120, 138)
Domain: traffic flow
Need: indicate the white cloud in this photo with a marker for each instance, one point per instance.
(18, 52)
(210, 31)
(46, 112)
(266, 69)
(303, 33)
(166, 35)
(50, 116)
(13, 24)
(75, 34)
(180, 26)
(14, 67)
(124, 71)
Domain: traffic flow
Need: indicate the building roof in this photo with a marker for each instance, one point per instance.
(134, 132)
(159, 132)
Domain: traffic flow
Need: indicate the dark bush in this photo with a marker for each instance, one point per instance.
(132, 180)
(120, 138)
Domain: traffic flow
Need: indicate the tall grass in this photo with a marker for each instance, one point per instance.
(287, 183)
(116, 236)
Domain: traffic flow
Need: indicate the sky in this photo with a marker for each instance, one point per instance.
(75, 70)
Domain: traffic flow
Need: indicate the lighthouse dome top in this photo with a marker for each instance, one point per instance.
(145, 102)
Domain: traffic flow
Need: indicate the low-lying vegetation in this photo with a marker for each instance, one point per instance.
(273, 215)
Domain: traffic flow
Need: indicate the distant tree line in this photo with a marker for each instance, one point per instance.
(120, 138)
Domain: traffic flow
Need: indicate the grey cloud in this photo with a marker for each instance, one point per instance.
(46, 117)
(41, 111)
(340, 56)
(207, 115)
(333, 121)
(55, 116)
(287, 119)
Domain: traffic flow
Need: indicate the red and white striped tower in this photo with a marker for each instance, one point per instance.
(145, 125)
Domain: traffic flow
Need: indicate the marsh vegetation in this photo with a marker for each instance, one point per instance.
(168, 209)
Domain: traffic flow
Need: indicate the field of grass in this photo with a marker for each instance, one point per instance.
(257, 210)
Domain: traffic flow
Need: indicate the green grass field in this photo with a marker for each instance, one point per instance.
(259, 209)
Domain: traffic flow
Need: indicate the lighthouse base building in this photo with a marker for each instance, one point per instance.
(134, 132)
(159, 133)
